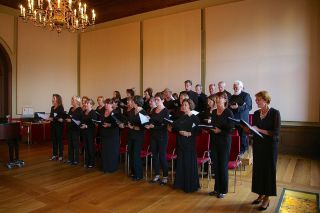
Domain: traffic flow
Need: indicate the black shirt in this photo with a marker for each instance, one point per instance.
(57, 113)
(75, 114)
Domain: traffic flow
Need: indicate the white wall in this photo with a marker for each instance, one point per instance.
(110, 60)
(172, 51)
(46, 64)
(269, 45)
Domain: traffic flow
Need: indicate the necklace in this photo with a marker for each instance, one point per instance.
(263, 113)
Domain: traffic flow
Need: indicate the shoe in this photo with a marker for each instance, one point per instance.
(256, 201)
(60, 158)
(164, 181)
(90, 166)
(261, 208)
(132, 176)
(75, 163)
(213, 193)
(68, 162)
(155, 179)
(10, 164)
(53, 158)
(137, 179)
(220, 195)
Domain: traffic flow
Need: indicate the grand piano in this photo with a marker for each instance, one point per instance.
(10, 133)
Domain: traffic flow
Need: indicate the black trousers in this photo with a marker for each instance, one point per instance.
(159, 143)
(88, 139)
(243, 139)
(221, 153)
(135, 142)
(56, 139)
(13, 150)
(73, 145)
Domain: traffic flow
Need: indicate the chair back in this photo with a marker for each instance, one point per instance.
(147, 139)
(235, 132)
(124, 136)
(235, 147)
(171, 142)
(202, 143)
(250, 118)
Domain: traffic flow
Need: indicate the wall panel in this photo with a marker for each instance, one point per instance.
(172, 51)
(110, 60)
(267, 44)
(47, 64)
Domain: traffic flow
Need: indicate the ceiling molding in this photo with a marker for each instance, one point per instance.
(201, 4)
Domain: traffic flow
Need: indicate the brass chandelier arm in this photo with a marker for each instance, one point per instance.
(58, 14)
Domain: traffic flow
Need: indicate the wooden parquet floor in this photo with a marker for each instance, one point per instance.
(46, 186)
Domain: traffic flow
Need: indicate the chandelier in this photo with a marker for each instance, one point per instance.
(58, 14)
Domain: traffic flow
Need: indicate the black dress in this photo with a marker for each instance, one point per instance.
(110, 141)
(265, 153)
(221, 149)
(186, 177)
(57, 130)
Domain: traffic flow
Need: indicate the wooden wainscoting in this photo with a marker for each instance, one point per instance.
(300, 138)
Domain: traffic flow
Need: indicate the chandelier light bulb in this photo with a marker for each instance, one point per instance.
(58, 14)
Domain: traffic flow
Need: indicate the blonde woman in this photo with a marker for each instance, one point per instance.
(73, 123)
(267, 121)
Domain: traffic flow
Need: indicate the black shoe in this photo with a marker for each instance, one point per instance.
(164, 181)
(220, 195)
(132, 176)
(90, 166)
(53, 158)
(213, 193)
(256, 201)
(10, 164)
(261, 208)
(137, 179)
(75, 163)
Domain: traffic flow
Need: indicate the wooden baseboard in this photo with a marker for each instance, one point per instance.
(300, 139)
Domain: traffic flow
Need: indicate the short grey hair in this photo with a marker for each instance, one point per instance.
(239, 83)
(222, 82)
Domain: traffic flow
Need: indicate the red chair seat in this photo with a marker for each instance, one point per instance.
(171, 156)
(203, 160)
(123, 149)
(233, 164)
(98, 147)
(145, 153)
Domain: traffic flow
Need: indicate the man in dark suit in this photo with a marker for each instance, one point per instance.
(241, 103)
(192, 94)
(202, 99)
